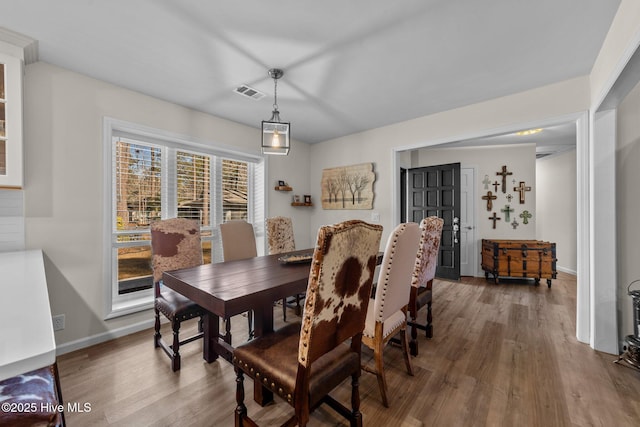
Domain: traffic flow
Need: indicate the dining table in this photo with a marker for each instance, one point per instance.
(230, 288)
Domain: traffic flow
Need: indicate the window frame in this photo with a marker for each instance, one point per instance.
(116, 304)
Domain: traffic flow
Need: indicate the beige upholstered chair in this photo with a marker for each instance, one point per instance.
(303, 364)
(280, 239)
(238, 242)
(387, 313)
(175, 243)
(422, 279)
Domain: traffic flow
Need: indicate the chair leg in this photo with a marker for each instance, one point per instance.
(405, 350)
(157, 336)
(284, 309)
(298, 306)
(241, 409)
(356, 415)
(382, 382)
(175, 358)
(250, 322)
(413, 344)
(227, 331)
(429, 327)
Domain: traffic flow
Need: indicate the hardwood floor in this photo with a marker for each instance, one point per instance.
(501, 355)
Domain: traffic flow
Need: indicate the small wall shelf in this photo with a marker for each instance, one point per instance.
(283, 188)
(301, 204)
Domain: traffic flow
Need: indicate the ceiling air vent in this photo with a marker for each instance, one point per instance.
(249, 92)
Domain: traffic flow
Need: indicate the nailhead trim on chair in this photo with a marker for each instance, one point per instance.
(265, 380)
(388, 272)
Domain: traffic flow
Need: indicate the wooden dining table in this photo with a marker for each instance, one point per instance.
(229, 288)
(233, 287)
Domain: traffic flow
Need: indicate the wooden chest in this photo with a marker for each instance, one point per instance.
(519, 258)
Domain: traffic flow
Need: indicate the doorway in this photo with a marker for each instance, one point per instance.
(408, 156)
(435, 191)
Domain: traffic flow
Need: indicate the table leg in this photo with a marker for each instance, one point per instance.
(210, 328)
(263, 324)
(263, 320)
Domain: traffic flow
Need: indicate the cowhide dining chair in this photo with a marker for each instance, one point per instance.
(175, 243)
(238, 242)
(304, 363)
(387, 313)
(280, 239)
(422, 279)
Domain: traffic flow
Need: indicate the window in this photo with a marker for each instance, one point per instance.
(152, 176)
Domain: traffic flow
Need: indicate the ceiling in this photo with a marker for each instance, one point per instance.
(348, 66)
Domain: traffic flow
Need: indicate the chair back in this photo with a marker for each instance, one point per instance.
(339, 288)
(238, 240)
(280, 235)
(427, 258)
(175, 243)
(398, 261)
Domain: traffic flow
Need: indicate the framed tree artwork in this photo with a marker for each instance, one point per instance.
(348, 187)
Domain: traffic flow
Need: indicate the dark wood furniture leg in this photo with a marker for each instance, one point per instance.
(211, 334)
(429, 327)
(263, 324)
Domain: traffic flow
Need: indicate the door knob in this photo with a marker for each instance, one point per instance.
(456, 227)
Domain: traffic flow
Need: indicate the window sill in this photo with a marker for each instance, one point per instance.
(123, 308)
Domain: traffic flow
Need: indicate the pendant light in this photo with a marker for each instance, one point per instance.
(275, 134)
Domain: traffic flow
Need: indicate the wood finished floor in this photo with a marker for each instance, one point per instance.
(501, 355)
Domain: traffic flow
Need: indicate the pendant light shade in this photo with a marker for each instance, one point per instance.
(275, 133)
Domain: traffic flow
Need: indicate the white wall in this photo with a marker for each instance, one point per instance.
(619, 41)
(63, 121)
(486, 118)
(556, 206)
(609, 278)
(628, 205)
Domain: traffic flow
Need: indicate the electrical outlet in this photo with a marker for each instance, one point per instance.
(58, 322)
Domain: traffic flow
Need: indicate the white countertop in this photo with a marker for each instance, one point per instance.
(26, 330)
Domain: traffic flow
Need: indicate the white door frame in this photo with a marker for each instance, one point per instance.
(473, 260)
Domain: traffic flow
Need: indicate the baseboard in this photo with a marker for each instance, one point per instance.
(567, 270)
(102, 337)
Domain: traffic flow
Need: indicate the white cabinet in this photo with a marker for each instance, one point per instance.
(10, 121)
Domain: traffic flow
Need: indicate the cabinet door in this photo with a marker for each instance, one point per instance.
(10, 121)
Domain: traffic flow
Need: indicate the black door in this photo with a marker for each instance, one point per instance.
(435, 191)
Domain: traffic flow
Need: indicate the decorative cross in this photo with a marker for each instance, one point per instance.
(504, 174)
(489, 198)
(521, 189)
(494, 218)
(509, 197)
(525, 215)
(507, 211)
(515, 224)
(486, 182)
(495, 186)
